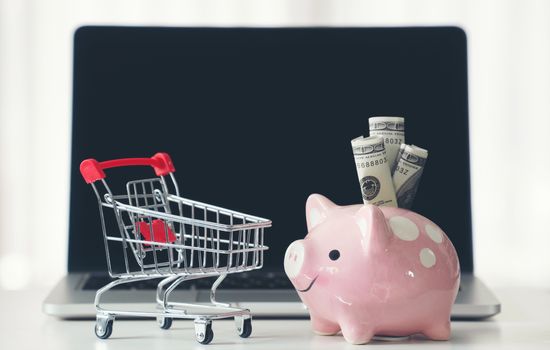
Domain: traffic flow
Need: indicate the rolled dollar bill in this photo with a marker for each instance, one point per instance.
(392, 129)
(407, 174)
(373, 171)
(399, 153)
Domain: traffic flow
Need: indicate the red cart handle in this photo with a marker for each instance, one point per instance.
(92, 170)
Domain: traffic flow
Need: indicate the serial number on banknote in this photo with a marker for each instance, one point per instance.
(372, 163)
(401, 170)
(393, 141)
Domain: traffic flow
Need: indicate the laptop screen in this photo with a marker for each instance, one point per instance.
(256, 120)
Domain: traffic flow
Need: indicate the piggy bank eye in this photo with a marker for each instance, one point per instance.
(334, 254)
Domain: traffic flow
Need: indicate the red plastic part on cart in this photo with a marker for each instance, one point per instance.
(159, 231)
(92, 170)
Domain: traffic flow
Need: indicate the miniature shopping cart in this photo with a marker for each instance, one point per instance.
(151, 232)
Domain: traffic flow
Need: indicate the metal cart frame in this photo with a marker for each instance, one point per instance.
(163, 235)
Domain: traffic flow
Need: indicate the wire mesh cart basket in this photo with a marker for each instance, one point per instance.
(151, 232)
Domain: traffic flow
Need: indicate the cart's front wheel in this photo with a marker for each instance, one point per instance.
(203, 332)
(164, 322)
(246, 329)
(103, 328)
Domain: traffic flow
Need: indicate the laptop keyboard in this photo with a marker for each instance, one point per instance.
(243, 280)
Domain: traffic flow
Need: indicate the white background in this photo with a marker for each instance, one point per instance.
(509, 63)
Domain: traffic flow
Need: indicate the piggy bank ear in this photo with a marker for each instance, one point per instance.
(317, 207)
(373, 226)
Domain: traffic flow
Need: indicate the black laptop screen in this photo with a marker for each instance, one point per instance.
(257, 119)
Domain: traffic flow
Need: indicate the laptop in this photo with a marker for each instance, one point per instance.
(255, 120)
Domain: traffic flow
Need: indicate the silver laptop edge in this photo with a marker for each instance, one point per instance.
(69, 300)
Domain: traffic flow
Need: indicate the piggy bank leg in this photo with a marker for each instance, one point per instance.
(356, 332)
(324, 327)
(439, 331)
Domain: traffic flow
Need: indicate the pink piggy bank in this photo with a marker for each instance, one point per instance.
(367, 270)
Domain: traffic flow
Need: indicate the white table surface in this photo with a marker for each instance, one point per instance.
(523, 324)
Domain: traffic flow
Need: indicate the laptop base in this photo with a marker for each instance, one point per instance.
(70, 301)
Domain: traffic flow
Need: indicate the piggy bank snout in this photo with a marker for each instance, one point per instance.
(294, 258)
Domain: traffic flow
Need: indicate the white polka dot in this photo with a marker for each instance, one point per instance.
(434, 233)
(427, 257)
(404, 228)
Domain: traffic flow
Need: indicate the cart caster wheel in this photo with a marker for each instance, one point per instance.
(164, 322)
(103, 328)
(204, 333)
(246, 329)
(208, 336)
